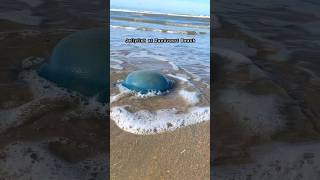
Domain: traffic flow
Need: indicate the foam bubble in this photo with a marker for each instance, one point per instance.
(123, 93)
(191, 98)
(174, 66)
(145, 122)
(181, 78)
(123, 27)
(117, 61)
(194, 76)
(158, 13)
(31, 61)
(161, 58)
(46, 96)
(116, 66)
(41, 89)
(130, 28)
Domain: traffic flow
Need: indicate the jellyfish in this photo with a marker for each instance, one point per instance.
(144, 81)
(79, 62)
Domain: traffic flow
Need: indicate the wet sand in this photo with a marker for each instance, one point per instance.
(181, 153)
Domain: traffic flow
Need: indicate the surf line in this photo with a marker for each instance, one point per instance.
(146, 123)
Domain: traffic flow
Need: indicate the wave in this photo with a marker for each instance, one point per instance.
(158, 13)
(160, 22)
(158, 30)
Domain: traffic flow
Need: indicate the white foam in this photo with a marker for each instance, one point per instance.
(194, 76)
(123, 27)
(187, 25)
(116, 61)
(41, 89)
(158, 13)
(183, 75)
(140, 54)
(160, 58)
(116, 66)
(181, 78)
(124, 92)
(197, 78)
(116, 97)
(174, 66)
(31, 61)
(45, 96)
(150, 94)
(145, 122)
(191, 98)
(156, 30)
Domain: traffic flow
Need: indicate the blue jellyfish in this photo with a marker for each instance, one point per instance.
(144, 81)
(79, 62)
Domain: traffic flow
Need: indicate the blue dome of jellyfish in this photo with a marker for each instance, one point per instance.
(144, 81)
(79, 62)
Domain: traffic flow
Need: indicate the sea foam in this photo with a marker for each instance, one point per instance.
(145, 122)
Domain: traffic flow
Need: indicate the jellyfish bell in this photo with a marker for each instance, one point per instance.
(144, 81)
(79, 62)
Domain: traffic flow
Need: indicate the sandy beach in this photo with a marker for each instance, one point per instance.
(181, 154)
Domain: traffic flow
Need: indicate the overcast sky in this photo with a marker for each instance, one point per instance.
(195, 7)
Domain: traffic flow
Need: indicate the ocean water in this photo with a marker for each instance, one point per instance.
(187, 65)
(193, 57)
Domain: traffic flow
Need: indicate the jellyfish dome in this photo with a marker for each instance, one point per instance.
(79, 62)
(145, 81)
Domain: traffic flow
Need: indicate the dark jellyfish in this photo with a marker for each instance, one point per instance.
(145, 81)
(79, 62)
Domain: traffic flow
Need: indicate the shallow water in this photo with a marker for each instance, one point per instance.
(193, 57)
(187, 103)
(187, 65)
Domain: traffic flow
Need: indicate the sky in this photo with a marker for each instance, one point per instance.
(194, 7)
